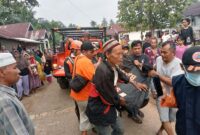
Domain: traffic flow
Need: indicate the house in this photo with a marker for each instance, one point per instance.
(193, 12)
(114, 31)
(42, 36)
(23, 34)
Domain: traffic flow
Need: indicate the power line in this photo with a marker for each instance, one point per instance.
(79, 9)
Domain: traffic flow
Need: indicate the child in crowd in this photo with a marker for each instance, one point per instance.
(180, 48)
(47, 71)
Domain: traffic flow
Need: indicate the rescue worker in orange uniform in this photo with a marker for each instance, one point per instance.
(69, 61)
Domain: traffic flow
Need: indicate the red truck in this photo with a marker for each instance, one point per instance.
(94, 34)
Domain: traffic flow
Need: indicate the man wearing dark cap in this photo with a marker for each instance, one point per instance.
(84, 67)
(187, 92)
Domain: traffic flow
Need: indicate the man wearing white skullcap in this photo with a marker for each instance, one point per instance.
(14, 119)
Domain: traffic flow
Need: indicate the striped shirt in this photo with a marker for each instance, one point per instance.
(14, 119)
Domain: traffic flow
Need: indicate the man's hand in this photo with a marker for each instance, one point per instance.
(137, 63)
(141, 86)
(122, 101)
(152, 73)
(154, 94)
(118, 89)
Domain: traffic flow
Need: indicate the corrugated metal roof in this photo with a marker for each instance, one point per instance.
(18, 29)
(21, 32)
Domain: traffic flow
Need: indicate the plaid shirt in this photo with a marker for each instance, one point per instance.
(14, 119)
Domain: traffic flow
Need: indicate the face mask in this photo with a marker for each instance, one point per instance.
(73, 55)
(193, 78)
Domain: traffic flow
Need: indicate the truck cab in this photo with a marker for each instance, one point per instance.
(96, 36)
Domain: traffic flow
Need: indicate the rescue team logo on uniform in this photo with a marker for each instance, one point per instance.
(196, 56)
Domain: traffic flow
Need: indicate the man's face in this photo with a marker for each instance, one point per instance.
(167, 53)
(116, 55)
(10, 74)
(90, 54)
(137, 50)
(153, 43)
(78, 51)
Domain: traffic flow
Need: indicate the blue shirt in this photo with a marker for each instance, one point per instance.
(188, 102)
(14, 119)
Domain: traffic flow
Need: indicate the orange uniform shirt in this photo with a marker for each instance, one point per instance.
(86, 69)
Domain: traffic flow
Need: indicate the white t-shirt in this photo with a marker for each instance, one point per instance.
(169, 70)
(166, 38)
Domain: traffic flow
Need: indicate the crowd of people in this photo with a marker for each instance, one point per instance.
(123, 79)
(102, 86)
(35, 68)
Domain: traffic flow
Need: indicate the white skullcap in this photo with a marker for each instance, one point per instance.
(6, 59)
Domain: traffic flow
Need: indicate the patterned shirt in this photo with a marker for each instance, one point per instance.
(14, 119)
(152, 57)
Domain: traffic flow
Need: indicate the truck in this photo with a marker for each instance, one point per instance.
(97, 35)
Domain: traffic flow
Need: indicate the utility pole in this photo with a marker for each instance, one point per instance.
(141, 15)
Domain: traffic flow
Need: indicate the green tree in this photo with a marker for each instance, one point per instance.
(150, 14)
(42, 23)
(104, 23)
(93, 23)
(13, 11)
(71, 25)
(111, 22)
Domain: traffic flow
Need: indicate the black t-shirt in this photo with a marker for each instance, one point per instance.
(187, 35)
(145, 45)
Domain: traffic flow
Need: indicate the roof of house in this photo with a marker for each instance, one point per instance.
(18, 30)
(37, 34)
(22, 32)
(115, 29)
(26, 40)
(6, 34)
(193, 10)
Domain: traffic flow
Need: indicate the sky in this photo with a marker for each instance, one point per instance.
(79, 12)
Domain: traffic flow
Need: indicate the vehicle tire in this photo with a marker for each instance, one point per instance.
(63, 83)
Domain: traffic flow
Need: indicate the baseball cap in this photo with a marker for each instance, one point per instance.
(87, 45)
(6, 59)
(191, 56)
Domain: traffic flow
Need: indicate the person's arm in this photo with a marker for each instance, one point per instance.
(192, 35)
(67, 71)
(12, 122)
(164, 79)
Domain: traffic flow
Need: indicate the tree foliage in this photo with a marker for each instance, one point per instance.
(111, 22)
(18, 11)
(150, 14)
(71, 25)
(93, 23)
(14, 12)
(104, 23)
